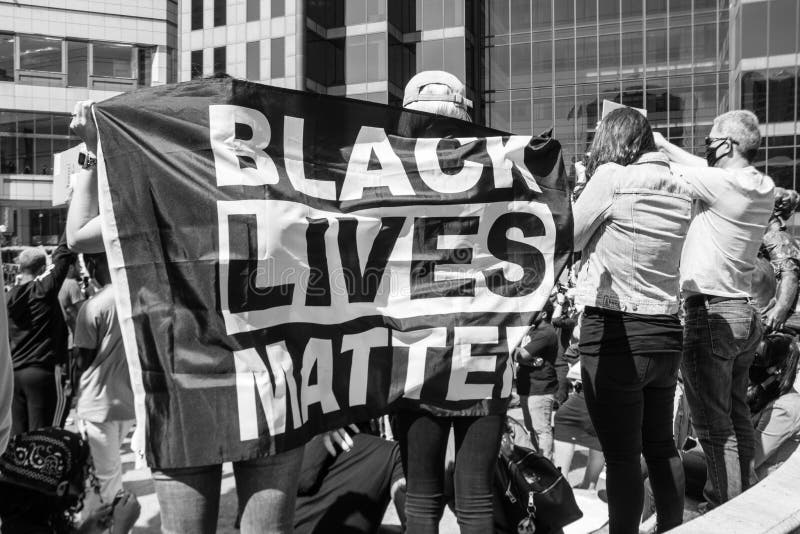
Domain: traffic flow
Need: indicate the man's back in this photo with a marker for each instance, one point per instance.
(105, 392)
(36, 328)
(732, 209)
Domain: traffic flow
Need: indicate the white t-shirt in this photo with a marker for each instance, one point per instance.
(731, 212)
(104, 392)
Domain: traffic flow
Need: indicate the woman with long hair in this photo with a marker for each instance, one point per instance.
(630, 224)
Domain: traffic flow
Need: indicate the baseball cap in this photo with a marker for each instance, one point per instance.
(455, 94)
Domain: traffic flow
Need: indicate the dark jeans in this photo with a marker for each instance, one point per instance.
(630, 400)
(35, 399)
(720, 340)
(266, 488)
(423, 444)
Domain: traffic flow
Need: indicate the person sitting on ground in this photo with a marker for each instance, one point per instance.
(348, 490)
(43, 478)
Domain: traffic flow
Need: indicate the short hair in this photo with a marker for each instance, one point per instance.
(741, 126)
(32, 260)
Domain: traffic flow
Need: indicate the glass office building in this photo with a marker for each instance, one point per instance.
(551, 63)
(53, 54)
(364, 49)
(370, 48)
(765, 79)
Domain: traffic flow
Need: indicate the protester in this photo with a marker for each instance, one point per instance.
(6, 378)
(349, 491)
(423, 434)
(630, 223)
(105, 399)
(38, 339)
(537, 382)
(189, 497)
(71, 296)
(43, 480)
(780, 248)
(717, 265)
(573, 426)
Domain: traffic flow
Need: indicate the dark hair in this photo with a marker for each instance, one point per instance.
(621, 137)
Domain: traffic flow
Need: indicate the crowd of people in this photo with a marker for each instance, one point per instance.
(668, 352)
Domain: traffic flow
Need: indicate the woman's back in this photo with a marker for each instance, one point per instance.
(633, 221)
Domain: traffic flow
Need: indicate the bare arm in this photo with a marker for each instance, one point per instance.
(676, 154)
(83, 219)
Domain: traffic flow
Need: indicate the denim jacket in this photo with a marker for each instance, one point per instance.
(630, 223)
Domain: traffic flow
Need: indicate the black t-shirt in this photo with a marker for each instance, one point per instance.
(348, 493)
(540, 378)
(37, 331)
(608, 331)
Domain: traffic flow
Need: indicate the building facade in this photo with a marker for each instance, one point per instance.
(551, 63)
(52, 54)
(529, 66)
(765, 57)
(364, 49)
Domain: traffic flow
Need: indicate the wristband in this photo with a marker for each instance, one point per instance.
(87, 160)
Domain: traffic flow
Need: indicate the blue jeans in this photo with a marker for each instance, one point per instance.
(266, 488)
(719, 343)
(423, 444)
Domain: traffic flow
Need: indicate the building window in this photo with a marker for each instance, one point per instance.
(29, 140)
(40, 53)
(6, 57)
(145, 66)
(220, 13)
(277, 59)
(253, 10)
(77, 63)
(278, 8)
(197, 64)
(220, 65)
(197, 14)
(355, 11)
(253, 60)
(112, 60)
(377, 58)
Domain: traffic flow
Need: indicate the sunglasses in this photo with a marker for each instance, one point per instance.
(711, 140)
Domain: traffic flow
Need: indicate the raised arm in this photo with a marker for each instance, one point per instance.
(676, 154)
(84, 232)
(591, 208)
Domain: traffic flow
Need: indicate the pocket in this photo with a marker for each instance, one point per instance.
(730, 332)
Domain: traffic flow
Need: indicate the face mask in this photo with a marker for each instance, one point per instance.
(711, 149)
